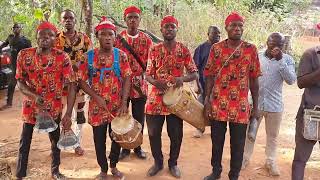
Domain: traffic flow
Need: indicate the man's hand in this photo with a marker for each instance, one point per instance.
(255, 113)
(199, 89)
(66, 122)
(276, 53)
(123, 110)
(178, 82)
(207, 110)
(161, 85)
(100, 101)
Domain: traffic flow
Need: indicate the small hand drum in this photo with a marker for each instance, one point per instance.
(45, 123)
(68, 140)
(253, 129)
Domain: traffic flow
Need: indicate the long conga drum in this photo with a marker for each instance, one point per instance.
(185, 106)
(126, 131)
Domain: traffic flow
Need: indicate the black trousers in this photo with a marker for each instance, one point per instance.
(237, 142)
(175, 133)
(302, 151)
(100, 137)
(11, 87)
(137, 109)
(24, 148)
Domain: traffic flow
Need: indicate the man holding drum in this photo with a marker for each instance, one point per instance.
(108, 72)
(136, 45)
(166, 64)
(232, 69)
(41, 75)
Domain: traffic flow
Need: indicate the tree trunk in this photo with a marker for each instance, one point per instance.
(88, 15)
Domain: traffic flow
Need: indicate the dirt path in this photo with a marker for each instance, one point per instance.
(194, 159)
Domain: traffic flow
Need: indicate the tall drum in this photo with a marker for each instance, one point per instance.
(185, 106)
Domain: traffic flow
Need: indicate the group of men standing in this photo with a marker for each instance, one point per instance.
(65, 65)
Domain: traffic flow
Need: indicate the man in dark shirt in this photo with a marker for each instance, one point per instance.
(308, 79)
(200, 57)
(17, 42)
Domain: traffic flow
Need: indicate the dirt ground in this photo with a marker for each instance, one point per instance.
(194, 160)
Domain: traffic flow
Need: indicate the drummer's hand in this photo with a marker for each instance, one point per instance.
(161, 85)
(101, 102)
(66, 122)
(207, 110)
(255, 114)
(199, 90)
(123, 110)
(178, 82)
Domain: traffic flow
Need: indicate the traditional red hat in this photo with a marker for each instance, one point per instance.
(234, 16)
(46, 25)
(131, 9)
(169, 19)
(318, 26)
(105, 24)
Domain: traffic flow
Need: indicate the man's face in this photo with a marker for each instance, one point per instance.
(106, 38)
(214, 35)
(169, 31)
(235, 30)
(274, 42)
(16, 29)
(132, 20)
(68, 20)
(46, 38)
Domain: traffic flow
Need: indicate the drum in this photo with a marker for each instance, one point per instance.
(68, 140)
(126, 131)
(185, 106)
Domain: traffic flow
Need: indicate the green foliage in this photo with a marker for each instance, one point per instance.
(262, 16)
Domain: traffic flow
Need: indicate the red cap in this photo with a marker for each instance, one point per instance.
(105, 24)
(131, 9)
(46, 25)
(169, 19)
(234, 16)
(318, 26)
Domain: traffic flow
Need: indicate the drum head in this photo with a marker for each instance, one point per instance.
(122, 125)
(172, 96)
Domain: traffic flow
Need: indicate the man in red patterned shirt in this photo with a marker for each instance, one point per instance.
(41, 74)
(166, 64)
(75, 44)
(136, 45)
(232, 69)
(109, 92)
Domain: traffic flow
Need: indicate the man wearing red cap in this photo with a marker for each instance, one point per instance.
(166, 64)
(232, 69)
(136, 45)
(308, 79)
(41, 73)
(108, 72)
(75, 44)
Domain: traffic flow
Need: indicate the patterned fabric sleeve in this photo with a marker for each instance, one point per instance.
(83, 68)
(189, 63)
(255, 70)
(68, 73)
(151, 70)
(124, 65)
(20, 70)
(211, 67)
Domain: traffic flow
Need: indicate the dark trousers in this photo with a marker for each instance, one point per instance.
(137, 109)
(302, 152)
(11, 87)
(99, 137)
(237, 142)
(24, 148)
(175, 132)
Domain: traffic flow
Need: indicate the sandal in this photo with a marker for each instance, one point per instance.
(116, 173)
(101, 176)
